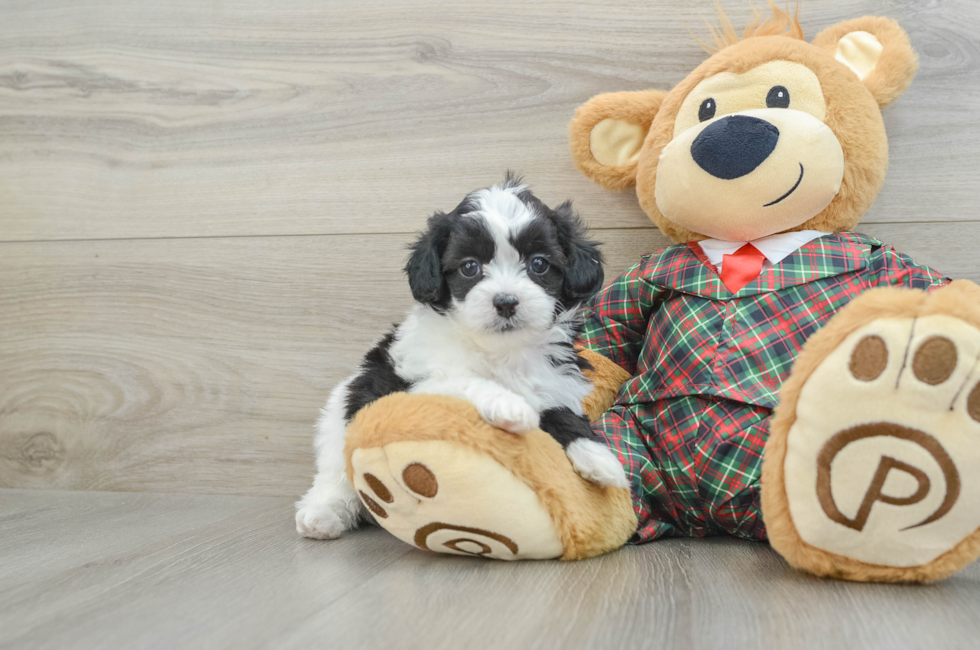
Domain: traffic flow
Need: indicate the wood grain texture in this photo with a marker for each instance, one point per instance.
(218, 571)
(194, 365)
(197, 118)
(203, 213)
(198, 365)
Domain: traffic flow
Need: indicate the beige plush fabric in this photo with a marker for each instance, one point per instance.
(634, 108)
(616, 142)
(896, 63)
(704, 204)
(471, 505)
(859, 51)
(871, 471)
(397, 431)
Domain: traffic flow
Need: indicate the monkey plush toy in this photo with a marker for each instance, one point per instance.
(772, 376)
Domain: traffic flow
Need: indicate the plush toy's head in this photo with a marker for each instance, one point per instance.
(770, 134)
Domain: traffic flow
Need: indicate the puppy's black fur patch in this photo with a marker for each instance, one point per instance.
(540, 237)
(583, 274)
(470, 240)
(424, 267)
(575, 261)
(566, 427)
(451, 239)
(580, 362)
(376, 379)
(581, 260)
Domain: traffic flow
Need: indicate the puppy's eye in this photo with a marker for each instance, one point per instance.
(538, 264)
(707, 109)
(778, 97)
(470, 269)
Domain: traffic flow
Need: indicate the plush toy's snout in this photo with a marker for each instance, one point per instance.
(734, 146)
(750, 174)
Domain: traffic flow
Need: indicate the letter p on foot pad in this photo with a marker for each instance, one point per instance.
(872, 471)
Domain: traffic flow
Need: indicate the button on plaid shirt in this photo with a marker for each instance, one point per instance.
(691, 425)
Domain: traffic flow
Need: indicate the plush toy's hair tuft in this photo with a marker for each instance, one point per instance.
(781, 23)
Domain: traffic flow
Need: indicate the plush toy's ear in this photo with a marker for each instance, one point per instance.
(607, 132)
(877, 50)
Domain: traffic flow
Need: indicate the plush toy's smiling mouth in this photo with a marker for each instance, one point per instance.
(791, 190)
(717, 185)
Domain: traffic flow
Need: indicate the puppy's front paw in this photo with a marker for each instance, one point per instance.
(318, 521)
(510, 413)
(595, 462)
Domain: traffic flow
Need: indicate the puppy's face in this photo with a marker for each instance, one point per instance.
(503, 263)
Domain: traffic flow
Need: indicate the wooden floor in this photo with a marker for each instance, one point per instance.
(203, 212)
(117, 570)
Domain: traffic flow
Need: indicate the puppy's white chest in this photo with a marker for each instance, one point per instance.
(541, 383)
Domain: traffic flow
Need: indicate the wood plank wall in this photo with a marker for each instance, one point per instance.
(204, 205)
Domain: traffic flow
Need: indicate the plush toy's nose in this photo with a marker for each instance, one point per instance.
(734, 146)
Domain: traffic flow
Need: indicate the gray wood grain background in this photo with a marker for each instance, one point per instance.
(204, 205)
(192, 571)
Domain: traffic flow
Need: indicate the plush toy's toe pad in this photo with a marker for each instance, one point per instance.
(446, 497)
(882, 462)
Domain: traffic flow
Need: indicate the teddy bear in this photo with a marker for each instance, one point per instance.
(773, 376)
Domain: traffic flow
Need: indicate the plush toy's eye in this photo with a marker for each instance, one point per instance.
(538, 264)
(470, 269)
(707, 109)
(778, 97)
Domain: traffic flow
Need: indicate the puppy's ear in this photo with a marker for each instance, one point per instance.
(607, 133)
(583, 271)
(877, 50)
(424, 267)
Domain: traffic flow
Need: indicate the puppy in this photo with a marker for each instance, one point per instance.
(501, 282)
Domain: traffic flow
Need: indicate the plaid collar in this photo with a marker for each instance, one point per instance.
(685, 267)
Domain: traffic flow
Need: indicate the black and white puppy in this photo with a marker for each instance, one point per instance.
(501, 282)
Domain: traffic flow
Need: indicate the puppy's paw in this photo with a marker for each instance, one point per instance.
(595, 462)
(318, 521)
(509, 412)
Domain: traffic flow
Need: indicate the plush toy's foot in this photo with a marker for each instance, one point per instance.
(872, 470)
(437, 476)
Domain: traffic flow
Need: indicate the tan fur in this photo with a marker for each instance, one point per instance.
(853, 114)
(962, 300)
(781, 23)
(607, 377)
(898, 64)
(633, 107)
(591, 520)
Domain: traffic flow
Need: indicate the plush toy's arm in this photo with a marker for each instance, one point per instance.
(613, 335)
(889, 267)
(616, 320)
(607, 377)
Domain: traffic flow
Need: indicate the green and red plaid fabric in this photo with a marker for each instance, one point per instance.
(691, 425)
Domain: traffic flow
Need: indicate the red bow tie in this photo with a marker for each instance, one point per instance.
(741, 267)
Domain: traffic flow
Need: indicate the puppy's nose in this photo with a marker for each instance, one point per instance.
(506, 304)
(734, 146)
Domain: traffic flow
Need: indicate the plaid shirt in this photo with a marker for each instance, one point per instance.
(691, 345)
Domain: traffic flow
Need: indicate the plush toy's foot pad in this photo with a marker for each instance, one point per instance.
(883, 461)
(875, 468)
(446, 497)
(880, 472)
(440, 478)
